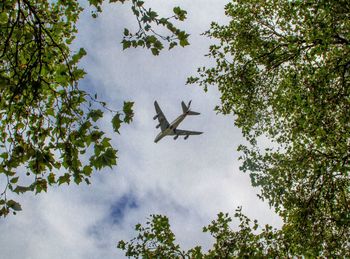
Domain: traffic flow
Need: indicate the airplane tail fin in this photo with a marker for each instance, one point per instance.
(187, 109)
(184, 107)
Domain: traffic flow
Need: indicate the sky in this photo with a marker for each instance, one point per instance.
(190, 181)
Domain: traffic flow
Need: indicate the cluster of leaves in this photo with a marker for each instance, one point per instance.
(48, 125)
(147, 37)
(45, 129)
(283, 69)
(156, 240)
(148, 20)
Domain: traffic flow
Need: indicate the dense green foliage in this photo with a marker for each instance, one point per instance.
(47, 123)
(156, 240)
(283, 68)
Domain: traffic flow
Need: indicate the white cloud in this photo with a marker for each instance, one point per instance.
(190, 181)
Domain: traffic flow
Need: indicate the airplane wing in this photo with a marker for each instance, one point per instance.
(161, 117)
(185, 132)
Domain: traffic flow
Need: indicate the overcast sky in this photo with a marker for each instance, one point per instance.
(188, 180)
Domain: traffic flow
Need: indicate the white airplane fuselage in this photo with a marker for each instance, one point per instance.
(172, 127)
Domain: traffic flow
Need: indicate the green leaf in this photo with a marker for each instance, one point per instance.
(140, 3)
(14, 180)
(14, 205)
(95, 115)
(126, 32)
(126, 44)
(181, 14)
(64, 179)
(87, 170)
(78, 178)
(172, 44)
(21, 189)
(128, 111)
(3, 18)
(78, 55)
(106, 158)
(51, 178)
(155, 51)
(116, 122)
(184, 42)
(40, 185)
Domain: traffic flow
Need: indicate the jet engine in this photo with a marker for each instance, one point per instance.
(155, 117)
(157, 126)
(186, 137)
(176, 136)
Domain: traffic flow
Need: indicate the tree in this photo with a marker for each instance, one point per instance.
(282, 68)
(47, 122)
(156, 240)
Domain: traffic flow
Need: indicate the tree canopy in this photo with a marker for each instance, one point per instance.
(47, 123)
(156, 240)
(282, 68)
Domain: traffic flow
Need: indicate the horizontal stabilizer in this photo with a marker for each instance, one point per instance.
(193, 113)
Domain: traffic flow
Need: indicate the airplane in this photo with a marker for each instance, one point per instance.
(171, 129)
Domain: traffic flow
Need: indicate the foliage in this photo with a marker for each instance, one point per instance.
(48, 125)
(146, 36)
(282, 68)
(156, 240)
(248, 240)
